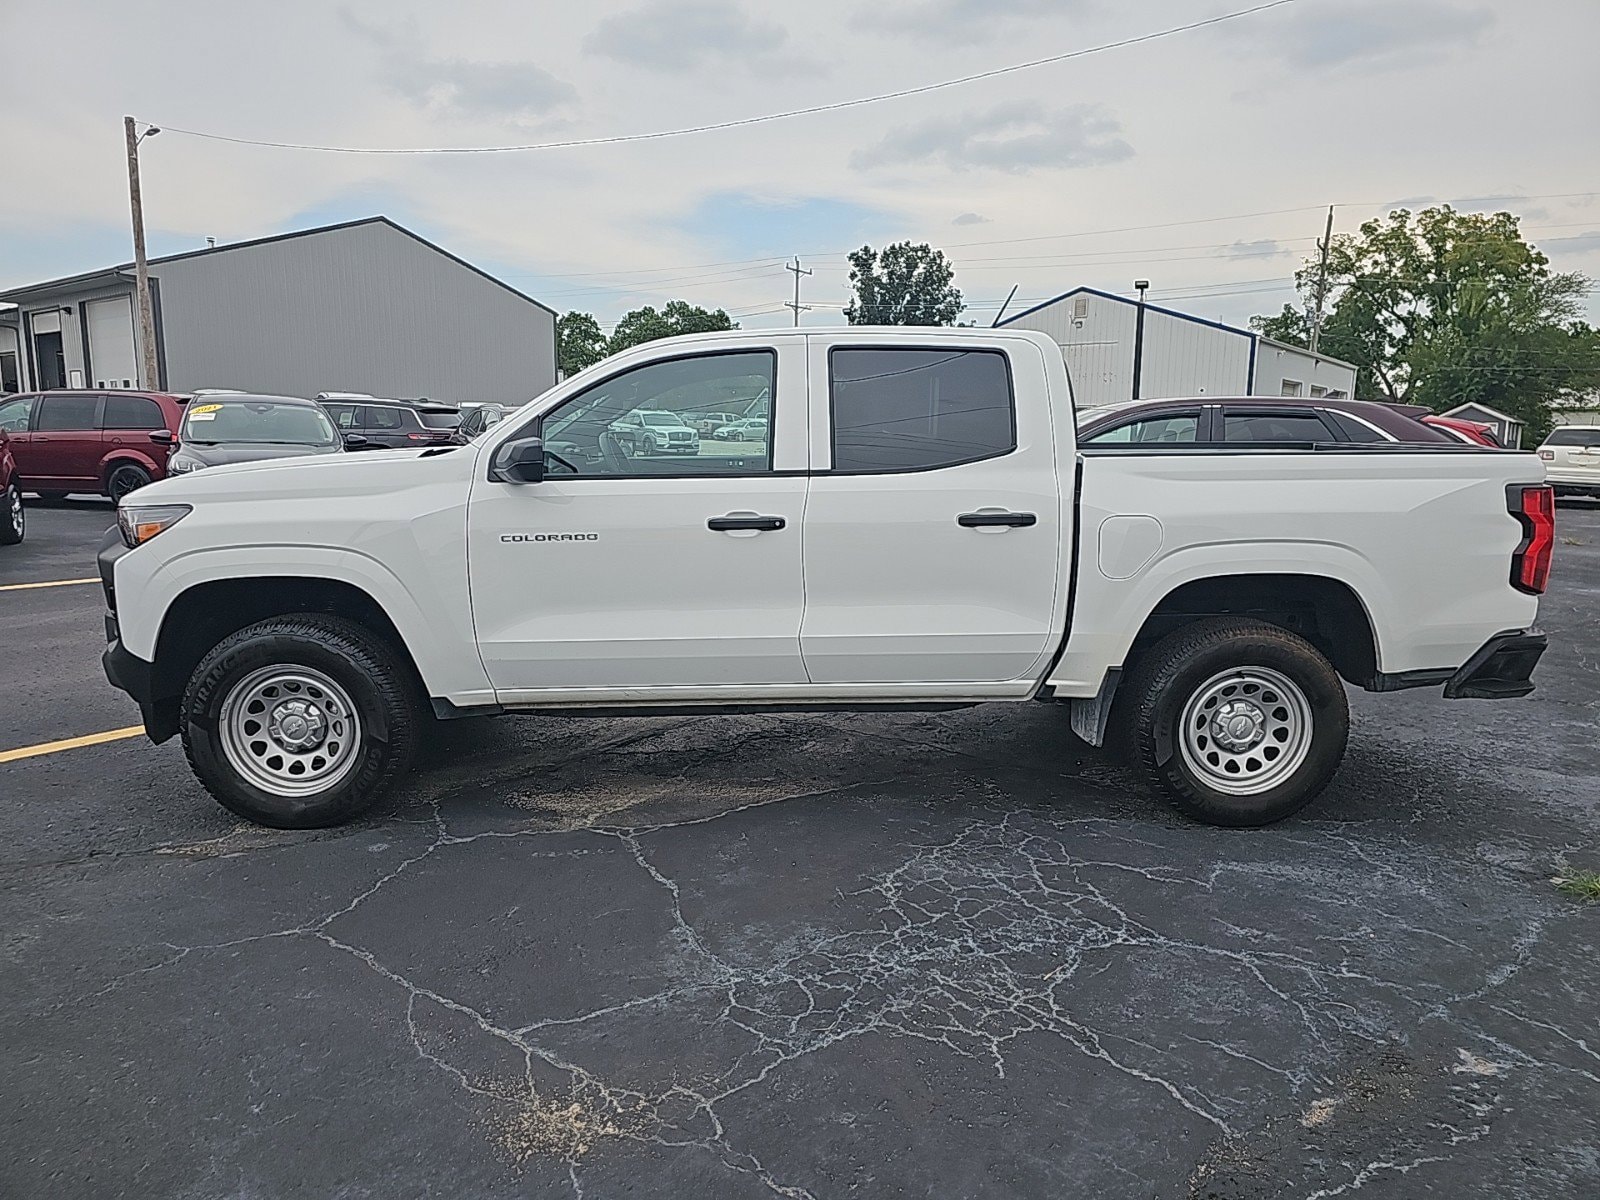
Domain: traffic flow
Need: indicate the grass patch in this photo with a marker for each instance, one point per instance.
(1580, 885)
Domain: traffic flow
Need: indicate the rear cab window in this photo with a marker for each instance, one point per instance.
(919, 410)
(439, 420)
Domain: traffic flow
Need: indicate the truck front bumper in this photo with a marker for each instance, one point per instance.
(1502, 669)
(125, 670)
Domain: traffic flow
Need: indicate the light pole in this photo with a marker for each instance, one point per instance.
(1138, 337)
(149, 371)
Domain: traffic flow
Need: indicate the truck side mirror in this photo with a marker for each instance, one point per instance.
(163, 437)
(520, 460)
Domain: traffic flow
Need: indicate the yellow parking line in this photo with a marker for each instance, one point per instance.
(88, 739)
(22, 587)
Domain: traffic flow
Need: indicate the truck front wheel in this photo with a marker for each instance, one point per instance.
(299, 722)
(1240, 722)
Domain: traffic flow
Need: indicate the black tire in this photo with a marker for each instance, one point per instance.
(125, 477)
(649, 444)
(371, 673)
(13, 521)
(1199, 663)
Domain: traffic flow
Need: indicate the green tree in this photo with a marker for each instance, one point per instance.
(678, 316)
(579, 342)
(1440, 308)
(906, 284)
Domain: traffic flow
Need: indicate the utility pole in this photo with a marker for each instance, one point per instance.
(1138, 338)
(797, 306)
(149, 371)
(1322, 281)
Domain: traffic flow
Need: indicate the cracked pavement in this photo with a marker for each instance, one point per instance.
(807, 956)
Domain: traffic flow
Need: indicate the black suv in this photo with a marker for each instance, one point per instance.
(394, 424)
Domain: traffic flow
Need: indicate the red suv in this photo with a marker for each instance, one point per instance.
(12, 523)
(103, 443)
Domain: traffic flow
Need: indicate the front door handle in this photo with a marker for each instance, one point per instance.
(984, 520)
(745, 521)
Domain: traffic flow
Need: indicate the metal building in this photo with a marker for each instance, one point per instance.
(1180, 355)
(363, 306)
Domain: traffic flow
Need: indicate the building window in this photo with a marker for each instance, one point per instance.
(916, 410)
(1318, 391)
(1336, 394)
(1291, 387)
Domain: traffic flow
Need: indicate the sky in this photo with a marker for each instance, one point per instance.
(1203, 162)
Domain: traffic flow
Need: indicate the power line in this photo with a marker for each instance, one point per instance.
(812, 110)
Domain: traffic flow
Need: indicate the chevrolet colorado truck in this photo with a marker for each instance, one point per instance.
(916, 529)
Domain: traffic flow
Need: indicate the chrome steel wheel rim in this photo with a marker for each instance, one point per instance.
(14, 509)
(1245, 730)
(290, 730)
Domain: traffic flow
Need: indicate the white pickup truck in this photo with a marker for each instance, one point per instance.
(917, 530)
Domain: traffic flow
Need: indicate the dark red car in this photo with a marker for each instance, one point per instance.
(13, 523)
(1475, 432)
(1250, 420)
(99, 443)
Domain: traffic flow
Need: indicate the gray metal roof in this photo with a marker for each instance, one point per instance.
(124, 271)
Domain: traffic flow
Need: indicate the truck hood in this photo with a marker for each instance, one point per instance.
(329, 476)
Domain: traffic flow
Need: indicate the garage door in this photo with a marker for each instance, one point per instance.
(111, 350)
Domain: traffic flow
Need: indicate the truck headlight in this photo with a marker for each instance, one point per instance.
(141, 522)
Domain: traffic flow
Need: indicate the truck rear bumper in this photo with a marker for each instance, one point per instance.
(1502, 669)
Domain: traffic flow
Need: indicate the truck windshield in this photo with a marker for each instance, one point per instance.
(257, 422)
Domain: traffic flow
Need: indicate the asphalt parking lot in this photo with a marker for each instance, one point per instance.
(926, 955)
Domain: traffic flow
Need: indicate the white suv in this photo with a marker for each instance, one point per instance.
(1572, 459)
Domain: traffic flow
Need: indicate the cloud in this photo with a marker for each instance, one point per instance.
(463, 86)
(1374, 33)
(684, 35)
(970, 218)
(1579, 243)
(960, 21)
(1261, 248)
(1017, 138)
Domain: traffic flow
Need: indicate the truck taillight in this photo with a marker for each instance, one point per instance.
(1548, 455)
(1535, 509)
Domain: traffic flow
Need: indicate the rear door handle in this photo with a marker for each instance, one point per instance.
(743, 521)
(984, 520)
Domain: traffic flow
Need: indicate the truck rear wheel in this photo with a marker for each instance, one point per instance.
(1240, 722)
(299, 722)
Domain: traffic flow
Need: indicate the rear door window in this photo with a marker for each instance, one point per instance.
(382, 419)
(917, 410)
(1266, 428)
(62, 413)
(133, 412)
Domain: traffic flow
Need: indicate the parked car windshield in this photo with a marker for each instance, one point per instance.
(661, 418)
(262, 422)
